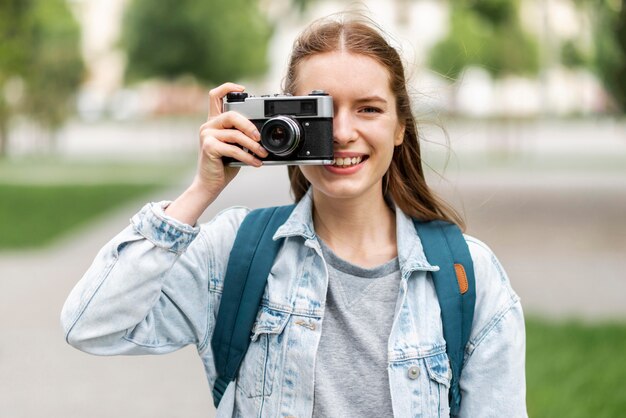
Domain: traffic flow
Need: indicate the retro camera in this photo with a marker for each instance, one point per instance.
(295, 130)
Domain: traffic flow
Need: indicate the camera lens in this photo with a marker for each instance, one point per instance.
(277, 136)
(280, 135)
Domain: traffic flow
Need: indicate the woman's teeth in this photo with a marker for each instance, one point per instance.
(346, 162)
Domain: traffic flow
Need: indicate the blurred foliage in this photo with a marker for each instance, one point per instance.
(572, 55)
(610, 46)
(40, 62)
(301, 5)
(607, 57)
(212, 40)
(485, 33)
(498, 12)
(55, 62)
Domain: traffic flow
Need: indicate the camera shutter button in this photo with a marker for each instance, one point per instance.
(318, 93)
(236, 96)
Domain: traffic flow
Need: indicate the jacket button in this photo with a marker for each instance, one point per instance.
(414, 372)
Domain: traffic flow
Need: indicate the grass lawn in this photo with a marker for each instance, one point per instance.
(33, 215)
(45, 171)
(575, 370)
(41, 199)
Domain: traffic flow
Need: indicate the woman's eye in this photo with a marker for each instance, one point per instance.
(370, 109)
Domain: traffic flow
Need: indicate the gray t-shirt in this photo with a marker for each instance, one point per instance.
(351, 378)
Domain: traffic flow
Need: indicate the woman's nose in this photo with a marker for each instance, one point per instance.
(344, 130)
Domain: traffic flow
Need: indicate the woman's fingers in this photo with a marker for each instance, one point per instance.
(234, 120)
(233, 128)
(235, 137)
(216, 97)
(228, 134)
(227, 150)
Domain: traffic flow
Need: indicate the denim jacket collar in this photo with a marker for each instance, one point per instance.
(410, 251)
(300, 222)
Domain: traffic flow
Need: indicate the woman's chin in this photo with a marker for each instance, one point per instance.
(346, 189)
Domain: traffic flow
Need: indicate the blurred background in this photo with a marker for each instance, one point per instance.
(521, 107)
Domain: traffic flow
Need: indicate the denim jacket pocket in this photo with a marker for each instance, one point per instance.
(259, 365)
(440, 375)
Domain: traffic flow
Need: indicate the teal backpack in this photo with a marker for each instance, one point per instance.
(251, 260)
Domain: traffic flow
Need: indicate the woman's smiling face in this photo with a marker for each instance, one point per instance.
(365, 124)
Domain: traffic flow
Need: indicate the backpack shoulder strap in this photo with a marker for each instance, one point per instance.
(249, 264)
(445, 246)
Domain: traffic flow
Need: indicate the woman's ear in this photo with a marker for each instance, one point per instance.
(399, 136)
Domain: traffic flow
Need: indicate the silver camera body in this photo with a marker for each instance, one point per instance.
(295, 130)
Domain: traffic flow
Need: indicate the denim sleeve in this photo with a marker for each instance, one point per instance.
(493, 381)
(148, 291)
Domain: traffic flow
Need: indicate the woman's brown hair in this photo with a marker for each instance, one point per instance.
(404, 182)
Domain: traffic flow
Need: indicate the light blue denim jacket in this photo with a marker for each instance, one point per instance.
(156, 287)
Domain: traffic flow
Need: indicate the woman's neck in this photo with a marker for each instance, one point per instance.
(361, 231)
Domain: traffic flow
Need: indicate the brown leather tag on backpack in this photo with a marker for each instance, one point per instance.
(461, 277)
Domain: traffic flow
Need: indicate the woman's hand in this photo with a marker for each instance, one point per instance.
(222, 135)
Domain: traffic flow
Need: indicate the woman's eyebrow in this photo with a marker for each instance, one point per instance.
(369, 99)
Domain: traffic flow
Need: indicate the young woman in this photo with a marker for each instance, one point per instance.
(350, 324)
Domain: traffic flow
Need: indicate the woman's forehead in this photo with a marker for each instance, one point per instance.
(342, 72)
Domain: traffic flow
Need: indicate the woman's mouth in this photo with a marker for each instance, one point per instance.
(347, 161)
(346, 165)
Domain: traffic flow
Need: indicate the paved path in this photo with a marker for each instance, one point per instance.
(561, 239)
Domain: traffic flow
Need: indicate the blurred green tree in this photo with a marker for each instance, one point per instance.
(40, 63)
(55, 65)
(212, 40)
(14, 19)
(485, 33)
(610, 47)
(497, 12)
(573, 56)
